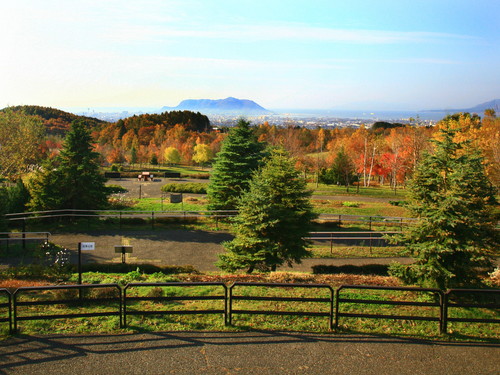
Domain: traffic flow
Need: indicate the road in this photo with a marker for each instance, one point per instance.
(242, 353)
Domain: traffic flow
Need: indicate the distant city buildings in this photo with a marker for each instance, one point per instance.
(308, 120)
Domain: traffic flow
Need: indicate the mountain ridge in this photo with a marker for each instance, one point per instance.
(227, 105)
(480, 108)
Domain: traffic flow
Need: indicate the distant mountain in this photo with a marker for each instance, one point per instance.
(479, 109)
(228, 105)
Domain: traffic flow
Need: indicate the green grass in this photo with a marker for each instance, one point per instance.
(155, 204)
(368, 209)
(372, 191)
(188, 170)
(355, 252)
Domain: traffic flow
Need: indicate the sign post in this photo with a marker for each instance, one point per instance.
(123, 249)
(83, 246)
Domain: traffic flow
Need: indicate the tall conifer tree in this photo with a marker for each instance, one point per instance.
(73, 180)
(454, 238)
(274, 217)
(238, 158)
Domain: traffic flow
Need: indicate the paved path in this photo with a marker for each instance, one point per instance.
(179, 247)
(242, 353)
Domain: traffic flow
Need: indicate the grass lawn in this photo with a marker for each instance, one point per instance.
(355, 252)
(324, 206)
(372, 191)
(155, 204)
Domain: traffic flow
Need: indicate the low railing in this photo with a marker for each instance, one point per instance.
(134, 299)
(6, 238)
(29, 303)
(363, 301)
(461, 298)
(369, 239)
(233, 298)
(215, 214)
(78, 297)
(6, 308)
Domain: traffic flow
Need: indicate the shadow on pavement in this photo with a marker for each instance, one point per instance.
(33, 350)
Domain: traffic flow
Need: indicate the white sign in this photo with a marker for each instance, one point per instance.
(87, 245)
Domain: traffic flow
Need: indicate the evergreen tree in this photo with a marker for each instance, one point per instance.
(274, 217)
(238, 158)
(454, 238)
(73, 180)
(18, 196)
(153, 160)
(4, 202)
(133, 155)
(341, 172)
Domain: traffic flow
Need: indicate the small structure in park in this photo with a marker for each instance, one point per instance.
(145, 176)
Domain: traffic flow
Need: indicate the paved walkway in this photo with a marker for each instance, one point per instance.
(179, 247)
(242, 353)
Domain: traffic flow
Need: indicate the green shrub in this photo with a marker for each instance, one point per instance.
(190, 187)
(199, 176)
(367, 269)
(144, 268)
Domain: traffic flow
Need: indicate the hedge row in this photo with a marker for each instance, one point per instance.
(145, 268)
(367, 269)
(190, 187)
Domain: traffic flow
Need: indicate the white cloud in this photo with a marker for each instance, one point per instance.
(282, 32)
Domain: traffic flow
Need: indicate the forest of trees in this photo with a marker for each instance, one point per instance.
(383, 154)
(452, 171)
(56, 122)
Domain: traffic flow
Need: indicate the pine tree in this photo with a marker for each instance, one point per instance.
(274, 217)
(73, 180)
(454, 238)
(341, 172)
(238, 158)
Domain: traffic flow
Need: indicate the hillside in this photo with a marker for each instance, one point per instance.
(57, 122)
(192, 121)
(228, 105)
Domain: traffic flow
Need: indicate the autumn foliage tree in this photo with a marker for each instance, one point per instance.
(20, 143)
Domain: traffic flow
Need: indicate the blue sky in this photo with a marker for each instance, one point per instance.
(356, 54)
